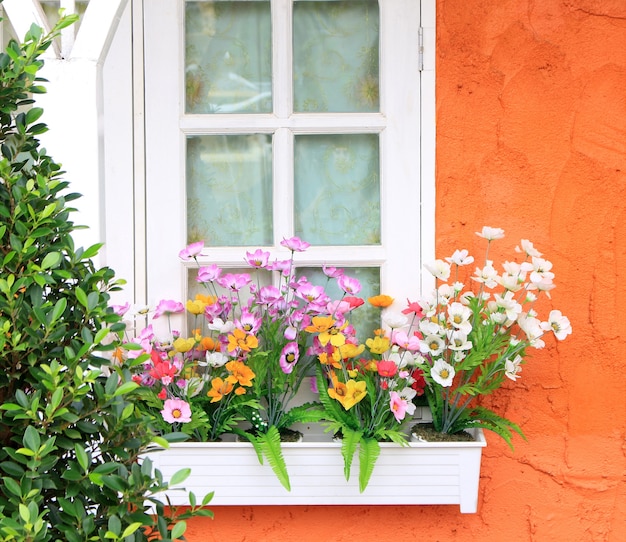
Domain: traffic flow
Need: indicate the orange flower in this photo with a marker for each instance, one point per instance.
(382, 301)
(207, 343)
(240, 339)
(219, 389)
(239, 372)
(206, 299)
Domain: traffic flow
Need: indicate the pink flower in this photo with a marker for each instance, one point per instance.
(208, 274)
(167, 307)
(332, 272)
(121, 310)
(176, 410)
(295, 244)
(258, 258)
(289, 357)
(349, 285)
(191, 251)
(234, 281)
(397, 405)
(413, 307)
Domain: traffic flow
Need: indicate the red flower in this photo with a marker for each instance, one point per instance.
(386, 368)
(354, 302)
(413, 307)
(419, 383)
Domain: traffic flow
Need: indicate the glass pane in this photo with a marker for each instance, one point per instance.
(229, 190)
(336, 56)
(228, 57)
(365, 318)
(337, 189)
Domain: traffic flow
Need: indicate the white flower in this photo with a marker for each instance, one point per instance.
(457, 341)
(432, 344)
(532, 328)
(487, 275)
(446, 292)
(394, 319)
(509, 305)
(402, 359)
(216, 359)
(491, 233)
(442, 373)
(458, 317)
(439, 269)
(512, 369)
(460, 257)
(527, 247)
(540, 274)
(558, 324)
(220, 326)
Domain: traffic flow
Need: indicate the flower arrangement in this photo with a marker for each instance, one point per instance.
(471, 338)
(367, 390)
(246, 357)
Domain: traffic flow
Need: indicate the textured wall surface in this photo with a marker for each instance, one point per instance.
(531, 137)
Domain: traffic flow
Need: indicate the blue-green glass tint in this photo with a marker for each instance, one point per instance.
(228, 57)
(337, 189)
(336, 56)
(229, 190)
(365, 318)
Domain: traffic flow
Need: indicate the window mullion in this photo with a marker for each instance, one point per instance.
(282, 58)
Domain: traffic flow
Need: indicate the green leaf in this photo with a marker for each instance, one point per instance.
(51, 260)
(369, 451)
(58, 310)
(270, 445)
(180, 476)
(81, 296)
(32, 439)
(179, 530)
(81, 456)
(125, 388)
(132, 528)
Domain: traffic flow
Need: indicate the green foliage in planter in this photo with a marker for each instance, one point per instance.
(70, 435)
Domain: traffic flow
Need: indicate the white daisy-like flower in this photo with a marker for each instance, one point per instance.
(558, 324)
(439, 269)
(527, 247)
(491, 233)
(432, 344)
(512, 368)
(460, 257)
(487, 275)
(457, 341)
(458, 317)
(216, 359)
(394, 319)
(442, 373)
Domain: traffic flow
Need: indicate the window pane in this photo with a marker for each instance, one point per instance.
(365, 318)
(337, 189)
(229, 190)
(336, 56)
(228, 57)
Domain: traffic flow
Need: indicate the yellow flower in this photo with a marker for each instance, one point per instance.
(206, 299)
(239, 372)
(349, 350)
(320, 324)
(183, 345)
(240, 339)
(195, 307)
(378, 345)
(381, 300)
(348, 394)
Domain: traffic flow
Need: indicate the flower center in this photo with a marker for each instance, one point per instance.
(176, 413)
(444, 373)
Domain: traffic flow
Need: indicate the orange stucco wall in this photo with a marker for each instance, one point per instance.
(531, 137)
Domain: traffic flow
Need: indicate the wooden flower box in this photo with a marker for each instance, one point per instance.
(420, 473)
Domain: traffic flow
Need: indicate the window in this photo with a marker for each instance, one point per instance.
(266, 119)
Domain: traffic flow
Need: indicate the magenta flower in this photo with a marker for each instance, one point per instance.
(349, 285)
(282, 266)
(167, 307)
(208, 274)
(191, 251)
(289, 357)
(332, 272)
(295, 244)
(309, 292)
(121, 310)
(258, 258)
(234, 281)
(176, 410)
(250, 323)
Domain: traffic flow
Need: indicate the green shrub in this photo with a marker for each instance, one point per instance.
(70, 436)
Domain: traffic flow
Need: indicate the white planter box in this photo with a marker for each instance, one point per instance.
(421, 473)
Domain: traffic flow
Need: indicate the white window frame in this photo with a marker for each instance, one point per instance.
(158, 272)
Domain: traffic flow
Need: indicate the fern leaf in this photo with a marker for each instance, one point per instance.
(270, 444)
(369, 451)
(349, 442)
